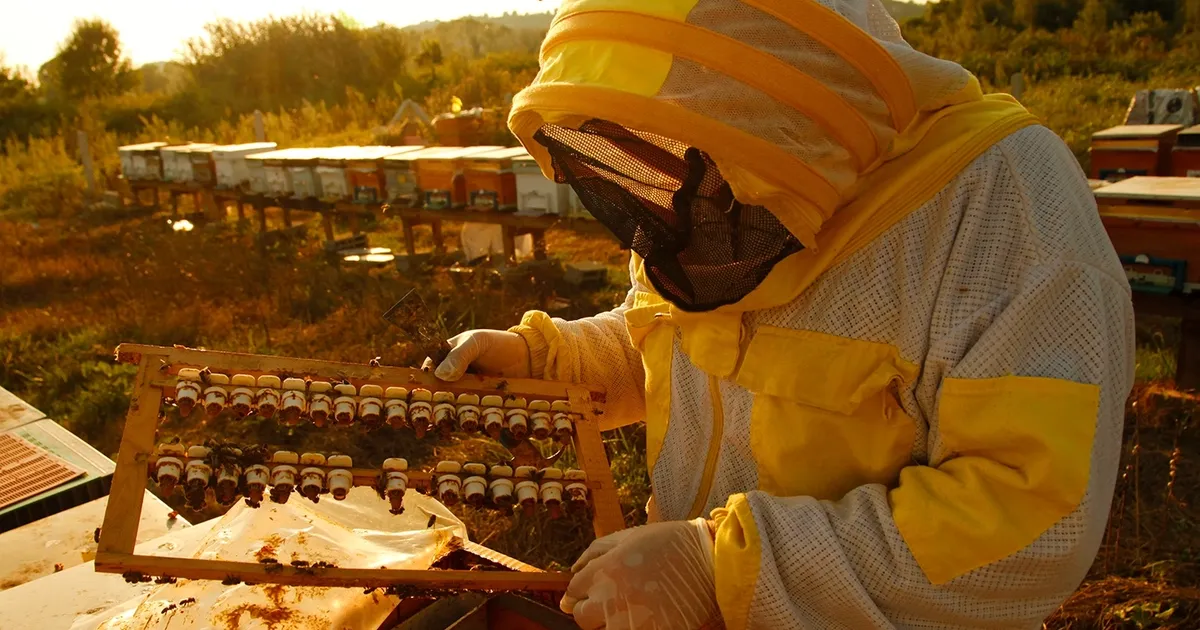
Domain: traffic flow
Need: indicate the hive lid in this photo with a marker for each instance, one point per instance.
(1137, 131)
(381, 152)
(145, 146)
(249, 146)
(337, 155)
(506, 153)
(15, 412)
(411, 156)
(455, 153)
(187, 148)
(1154, 188)
(27, 471)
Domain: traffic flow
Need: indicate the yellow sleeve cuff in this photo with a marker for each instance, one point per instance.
(737, 552)
(543, 339)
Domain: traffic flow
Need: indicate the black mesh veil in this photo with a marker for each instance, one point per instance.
(668, 203)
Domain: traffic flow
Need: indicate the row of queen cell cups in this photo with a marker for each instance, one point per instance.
(294, 400)
(501, 487)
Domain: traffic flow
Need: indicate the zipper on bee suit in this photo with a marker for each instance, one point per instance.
(714, 447)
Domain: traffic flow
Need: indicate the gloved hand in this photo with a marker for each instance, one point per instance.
(492, 352)
(653, 576)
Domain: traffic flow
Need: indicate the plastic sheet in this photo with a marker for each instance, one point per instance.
(356, 533)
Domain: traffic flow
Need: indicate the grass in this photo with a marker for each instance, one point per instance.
(72, 289)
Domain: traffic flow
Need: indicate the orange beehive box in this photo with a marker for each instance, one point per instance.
(364, 170)
(1185, 157)
(1133, 150)
(1154, 221)
(491, 183)
(440, 175)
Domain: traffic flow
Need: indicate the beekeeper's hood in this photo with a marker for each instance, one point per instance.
(725, 141)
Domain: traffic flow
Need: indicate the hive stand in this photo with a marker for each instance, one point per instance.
(157, 370)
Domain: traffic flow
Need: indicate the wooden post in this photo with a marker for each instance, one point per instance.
(410, 241)
(355, 226)
(261, 208)
(260, 131)
(241, 210)
(509, 237)
(327, 220)
(1017, 86)
(85, 155)
(439, 247)
(287, 216)
(174, 203)
(539, 244)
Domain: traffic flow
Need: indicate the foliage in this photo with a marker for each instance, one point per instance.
(90, 64)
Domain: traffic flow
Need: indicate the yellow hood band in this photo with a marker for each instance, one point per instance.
(733, 58)
(855, 46)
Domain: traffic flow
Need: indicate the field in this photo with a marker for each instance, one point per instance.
(75, 281)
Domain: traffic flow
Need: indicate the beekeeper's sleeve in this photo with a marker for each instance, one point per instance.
(1023, 396)
(594, 350)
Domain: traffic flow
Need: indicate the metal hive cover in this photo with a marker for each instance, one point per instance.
(26, 470)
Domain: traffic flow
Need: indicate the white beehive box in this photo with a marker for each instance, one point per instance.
(133, 159)
(176, 165)
(535, 193)
(230, 160)
(331, 173)
(268, 173)
(300, 167)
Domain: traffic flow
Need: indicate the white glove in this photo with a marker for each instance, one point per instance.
(654, 576)
(492, 352)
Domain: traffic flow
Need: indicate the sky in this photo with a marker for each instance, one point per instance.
(156, 31)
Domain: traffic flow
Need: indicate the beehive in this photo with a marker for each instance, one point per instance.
(268, 176)
(230, 162)
(1153, 223)
(490, 180)
(204, 171)
(177, 163)
(364, 169)
(440, 176)
(1185, 157)
(300, 171)
(400, 175)
(535, 193)
(145, 163)
(1133, 150)
(331, 173)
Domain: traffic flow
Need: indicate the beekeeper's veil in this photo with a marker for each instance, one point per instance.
(716, 138)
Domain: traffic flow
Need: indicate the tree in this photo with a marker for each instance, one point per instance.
(13, 83)
(1093, 19)
(431, 57)
(89, 64)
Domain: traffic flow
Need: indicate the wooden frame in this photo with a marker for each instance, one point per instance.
(157, 367)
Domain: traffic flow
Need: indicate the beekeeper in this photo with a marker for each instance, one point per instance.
(878, 336)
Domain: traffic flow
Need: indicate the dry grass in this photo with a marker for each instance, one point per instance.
(72, 288)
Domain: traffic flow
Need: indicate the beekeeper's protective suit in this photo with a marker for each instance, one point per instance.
(877, 333)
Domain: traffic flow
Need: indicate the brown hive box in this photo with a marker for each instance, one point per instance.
(1133, 150)
(1185, 157)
